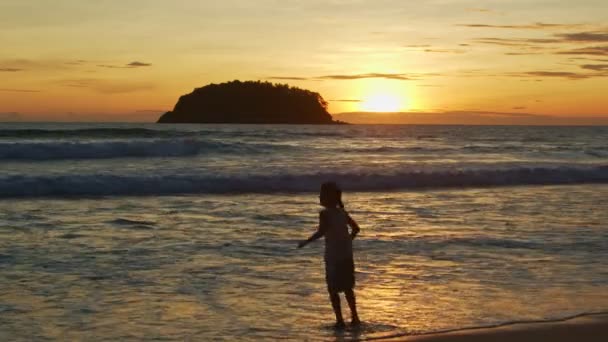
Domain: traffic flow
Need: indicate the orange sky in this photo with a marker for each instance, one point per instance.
(131, 60)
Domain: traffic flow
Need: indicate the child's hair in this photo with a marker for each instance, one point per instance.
(333, 187)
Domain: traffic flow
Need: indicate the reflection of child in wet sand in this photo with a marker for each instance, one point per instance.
(339, 265)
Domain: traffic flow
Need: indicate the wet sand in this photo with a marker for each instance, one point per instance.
(589, 328)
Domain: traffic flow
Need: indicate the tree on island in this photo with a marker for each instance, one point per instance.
(250, 102)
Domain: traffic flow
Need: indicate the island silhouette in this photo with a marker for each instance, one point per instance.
(250, 102)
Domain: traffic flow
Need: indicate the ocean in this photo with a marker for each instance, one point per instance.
(189, 232)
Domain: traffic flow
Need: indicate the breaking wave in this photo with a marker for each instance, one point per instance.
(148, 184)
(40, 151)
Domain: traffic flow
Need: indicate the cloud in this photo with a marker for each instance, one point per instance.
(137, 64)
(131, 65)
(515, 41)
(522, 46)
(519, 107)
(520, 53)
(429, 48)
(550, 44)
(557, 74)
(19, 64)
(111, 66)
(588, 59)
(19, 90)
(595, 67)
(535, 26)
(395, 76)
(22, 64)
(444, 51)
(288, 78)
(76, 62)
(534, 75)
(596, 37)
(592, 50)
(368, 75)
(106, 86)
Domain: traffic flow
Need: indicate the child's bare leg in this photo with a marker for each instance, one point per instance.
(352, 304)
(335, 303)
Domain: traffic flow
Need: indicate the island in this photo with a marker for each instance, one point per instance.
(250, 102)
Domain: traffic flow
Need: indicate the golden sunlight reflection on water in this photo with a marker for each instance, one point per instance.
(226, 267)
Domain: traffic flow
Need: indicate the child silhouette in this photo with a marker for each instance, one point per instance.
(339, 265)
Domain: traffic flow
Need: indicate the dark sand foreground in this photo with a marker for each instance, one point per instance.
(589, 328)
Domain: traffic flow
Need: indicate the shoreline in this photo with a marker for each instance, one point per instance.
(586, 327)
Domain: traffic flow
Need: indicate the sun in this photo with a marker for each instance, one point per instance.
(382, 103)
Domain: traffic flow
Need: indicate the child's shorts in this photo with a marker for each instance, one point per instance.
(340, 275)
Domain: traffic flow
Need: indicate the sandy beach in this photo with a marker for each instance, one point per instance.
(589, 328)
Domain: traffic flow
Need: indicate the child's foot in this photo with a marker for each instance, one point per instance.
(339, 325)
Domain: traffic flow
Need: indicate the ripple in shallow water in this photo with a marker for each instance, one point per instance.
(226, 267)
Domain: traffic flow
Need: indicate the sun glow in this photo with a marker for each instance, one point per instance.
(383, 96)
(382, 103)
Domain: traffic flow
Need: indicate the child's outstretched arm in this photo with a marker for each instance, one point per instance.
(354, 227)
(316, 235)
